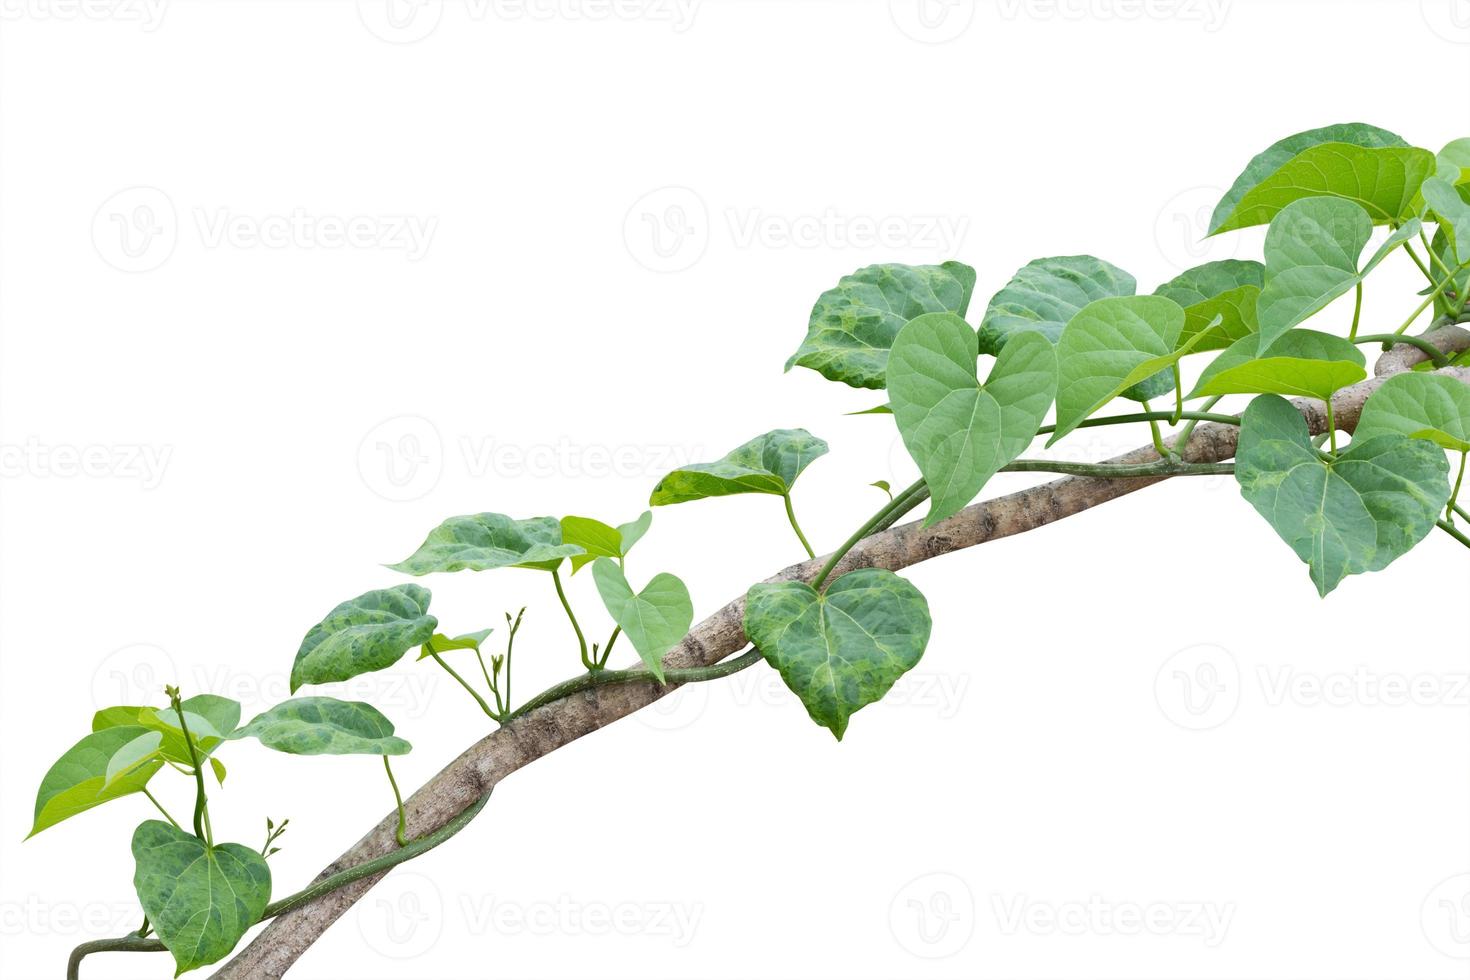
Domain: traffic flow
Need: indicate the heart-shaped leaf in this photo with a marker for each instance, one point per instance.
(324, 726)
(1046, 293)
(853, 324)
(766, 464)
(78, 780)
(1371, 167)
(1299, 362)
(479, 542)
(841, 649)
(655, 620)
(1451, 207)
(599, 540)
(1342, 516)
(1421, 406)
(959, 432)
(1312, 252)
(364, 634)
(1111, 346)
(199, 899)
(1219, 300)
(1453, 162)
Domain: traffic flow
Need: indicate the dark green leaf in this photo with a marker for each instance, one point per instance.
(78, 780)
(325, 726)
(842, 649)
(479, 542)
(655, 620)
(1421, 406)
(364, 634)
(1226, 291)
(766, 464)
(1046, 293)
(1299, 362)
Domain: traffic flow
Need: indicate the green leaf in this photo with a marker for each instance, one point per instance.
(1354, 514)
(1111, 346)
(885, 486)
(364, 634)
(875, 410)
(1312, 253)
(958, 431)
(479, 542)
(655, 620)
(121, 714)
(1446, 301)
(1299, 362)
(1046, 293)
(766, 464)
(600, 540)
(1226, 291)
(210, 718)
(1421, 406)
(1453, 162)
(842, 649)
(199, 899)
(131, 757)
(853, 325)
(324, 726)
(1370, 166)
(1452, 210)
(78, 780)
(440, 643)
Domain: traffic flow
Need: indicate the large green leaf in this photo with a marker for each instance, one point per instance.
(479, 542)
(853, 324)
(1299, 362)
(1371, 167)
(961, 432)
(766, 464)
(324, 726)
(1421, 406)
(1451, 207)
(1354, 514)
(1111, 346)
(78, 780)
(199, 899)
(1312, 253)
(1046, 293)
(654, 620)
(364, 634)
(599, 540)
(1219, 300)
(841, 649)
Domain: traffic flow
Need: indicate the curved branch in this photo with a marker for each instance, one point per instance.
(550, 726)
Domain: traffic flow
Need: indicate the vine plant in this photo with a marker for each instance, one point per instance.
(1067, 334)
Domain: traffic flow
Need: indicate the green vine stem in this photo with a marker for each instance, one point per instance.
(201, 799)
(1201, 416)
(907, 500)
(401, 833)
(1435, 293)
(1453, 505)
(1357, 311)
(678, 675)
(484, 705)
(576, 627)
(1181, 441)
(168, 816)
(1120, 471)
(1453, 532)
(791, 516)
(1436, 356)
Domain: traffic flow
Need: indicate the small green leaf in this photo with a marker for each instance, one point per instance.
(324, 726)
(368, 633)
(600, 540)
(766, 464)
(958, 431)
(1372, 167)
(655, 620)
(1299, 362)
(633, 531)
(842, 649)
(439, 643)
(1226, 291)
(1354, 514)
(131, 757)
(1046, 293)
(479, 542)
(1452, 209)
(199, 899)
(78, 780)
(1453, 162)
(853, 325)
(1421, 406)
(1110, 346)
(885, 486)
(875, 410)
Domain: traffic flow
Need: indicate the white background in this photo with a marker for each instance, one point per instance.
(269, 412)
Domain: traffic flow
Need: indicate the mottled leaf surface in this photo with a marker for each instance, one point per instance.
(852, 326)
(654, 620)
(78, 780)
(842, 649)
(1354, 514)
(324, 726)
(364, 634)
(1219, 300)
(959, 431)
(1299, 362)
(199, 899)
(479, 542)
(1421, 406)
(766, 464)
(1046, 293)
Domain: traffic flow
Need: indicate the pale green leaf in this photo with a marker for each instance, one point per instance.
(440, 643)
(1421, 406)
(479, 542)
(324, 726)
(958, 431)
(841, 649)
(766, 464)
(883, 485)
(1300, 362)
(1354, 514)
(1453, 162)
(1225, 291)
(1046, 293)
(654, 620)
(368, 633)
(131, 757)
(599, 540)
(78, 780)
(1452, 209)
